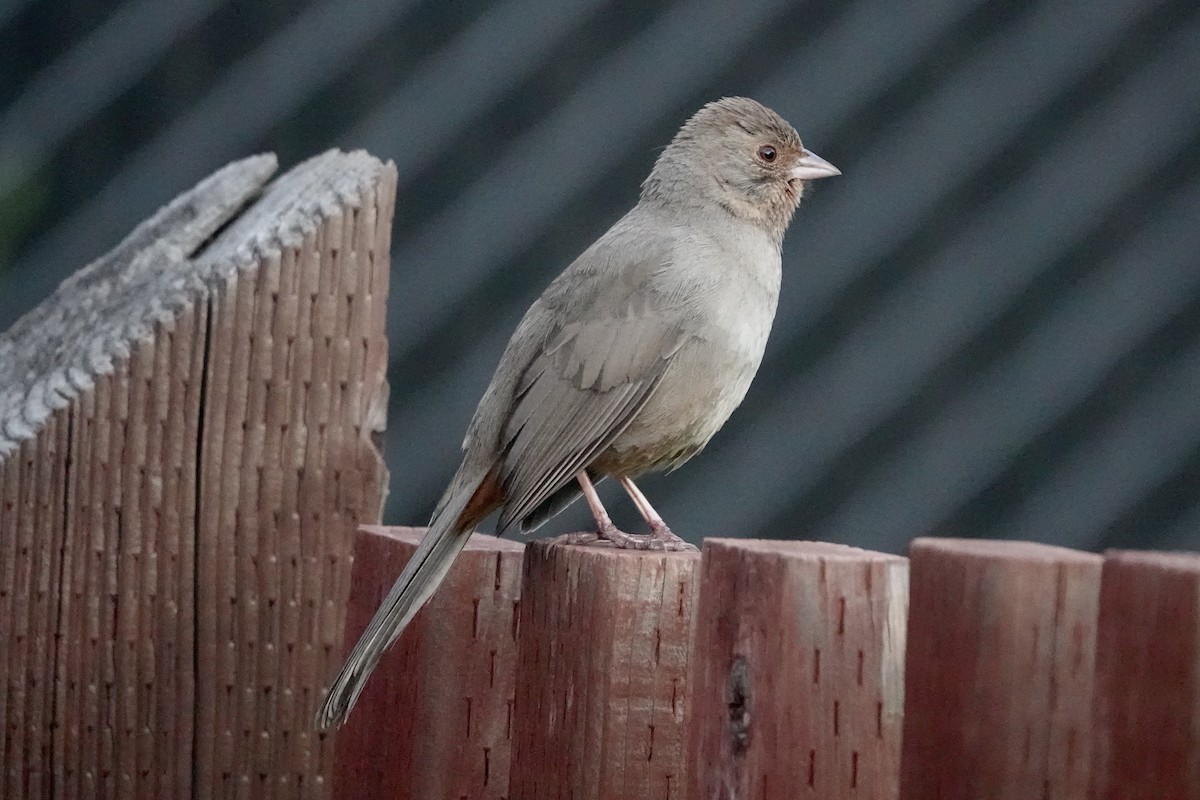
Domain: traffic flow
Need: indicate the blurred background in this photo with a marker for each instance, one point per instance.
(990, 324)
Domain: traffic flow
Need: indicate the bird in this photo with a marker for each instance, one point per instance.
(628, 363)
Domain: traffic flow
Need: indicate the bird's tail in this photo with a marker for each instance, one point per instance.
(448, 532)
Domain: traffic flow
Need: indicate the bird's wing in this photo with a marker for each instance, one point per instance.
(577, 395)
(588, 379)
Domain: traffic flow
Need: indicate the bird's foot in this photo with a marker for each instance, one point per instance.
(672, 542)
(577, 538)
(661, 539)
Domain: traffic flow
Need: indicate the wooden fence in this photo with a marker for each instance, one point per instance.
(187, 449)
(772, 670)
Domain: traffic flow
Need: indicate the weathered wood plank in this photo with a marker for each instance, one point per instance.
(435, 720)
(1146, 740)
(601, 697)
(797, 684)
(1001, 653)
(180, 487)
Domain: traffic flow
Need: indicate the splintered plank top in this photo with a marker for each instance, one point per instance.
(186, 447)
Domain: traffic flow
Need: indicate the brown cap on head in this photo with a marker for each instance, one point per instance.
(741, 112)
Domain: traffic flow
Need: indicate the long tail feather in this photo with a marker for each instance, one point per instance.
(423, 573)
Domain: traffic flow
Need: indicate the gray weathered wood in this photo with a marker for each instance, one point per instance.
(187, 444)
(56, 350)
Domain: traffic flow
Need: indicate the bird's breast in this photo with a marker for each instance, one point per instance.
(726, 334)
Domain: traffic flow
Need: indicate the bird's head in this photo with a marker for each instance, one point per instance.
(742, 155)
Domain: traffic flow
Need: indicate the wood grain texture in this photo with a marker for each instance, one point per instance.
(1000, 672)
(1147, 729)
(601, 705)
(288, 468)
(97, 386)
(435, 720)
(32, 532)
(797, 672)
(179, 484)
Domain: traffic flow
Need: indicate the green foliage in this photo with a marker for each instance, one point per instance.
(20, 209)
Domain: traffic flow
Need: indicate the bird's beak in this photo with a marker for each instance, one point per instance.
(811, 166)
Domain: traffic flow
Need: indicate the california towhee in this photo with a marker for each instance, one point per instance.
(630, 360)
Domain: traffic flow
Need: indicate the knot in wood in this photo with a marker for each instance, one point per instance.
(737, 694)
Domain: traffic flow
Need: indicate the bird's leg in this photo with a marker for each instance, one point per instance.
(660, 538)
(658, 528)
(605, 529)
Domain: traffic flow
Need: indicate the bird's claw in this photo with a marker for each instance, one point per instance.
(661, 539)
(658, 544)
(577, 538)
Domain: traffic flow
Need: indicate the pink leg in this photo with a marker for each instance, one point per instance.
(660, 539)
(658, 528)
(604, 524)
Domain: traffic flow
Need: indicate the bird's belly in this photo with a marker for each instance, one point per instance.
(697, 395)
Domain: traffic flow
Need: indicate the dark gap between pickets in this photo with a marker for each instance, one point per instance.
(205, 307)
(62, 572)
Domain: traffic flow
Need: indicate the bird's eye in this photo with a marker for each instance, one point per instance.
(766, 153)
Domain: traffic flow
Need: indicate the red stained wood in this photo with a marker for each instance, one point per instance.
(1000, 670)
(435, 719)
(601, 704)
(1147, 732)
(797, 672)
